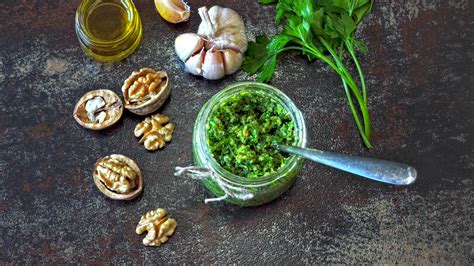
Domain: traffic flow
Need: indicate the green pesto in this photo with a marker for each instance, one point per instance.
(241, 131)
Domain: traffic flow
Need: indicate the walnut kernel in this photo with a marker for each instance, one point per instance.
(145, 91)
(159, 226)
(118, 177)
(156, 131)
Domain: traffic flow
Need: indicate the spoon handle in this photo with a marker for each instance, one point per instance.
(376, 169)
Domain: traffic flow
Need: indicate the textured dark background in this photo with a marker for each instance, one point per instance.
(419, 71)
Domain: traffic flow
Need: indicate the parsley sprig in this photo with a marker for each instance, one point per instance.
(319, 29)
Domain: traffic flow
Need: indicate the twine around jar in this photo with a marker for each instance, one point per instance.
(200, 173)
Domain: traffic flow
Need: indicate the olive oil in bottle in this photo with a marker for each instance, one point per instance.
(107, 21)
(108, 30)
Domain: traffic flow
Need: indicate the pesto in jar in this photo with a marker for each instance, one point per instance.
(241, 131)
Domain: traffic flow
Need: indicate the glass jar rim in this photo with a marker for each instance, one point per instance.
(276, 94)
(81, 30)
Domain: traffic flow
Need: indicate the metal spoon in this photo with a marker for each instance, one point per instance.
(375, 169)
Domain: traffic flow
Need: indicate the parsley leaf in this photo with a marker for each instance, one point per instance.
(256, 54)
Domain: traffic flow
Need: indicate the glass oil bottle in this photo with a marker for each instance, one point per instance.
(108, 30)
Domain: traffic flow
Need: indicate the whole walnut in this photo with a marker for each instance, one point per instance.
(155, 131)
(145, 91)
(118, 177)
(98, 109)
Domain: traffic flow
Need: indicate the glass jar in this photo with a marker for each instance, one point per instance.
(108, 30)
(229, 186)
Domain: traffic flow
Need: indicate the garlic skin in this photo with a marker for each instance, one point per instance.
(188, 44)
(194, 63)
(232, 61)
(213, 66)
(173, 11)
(218, 47)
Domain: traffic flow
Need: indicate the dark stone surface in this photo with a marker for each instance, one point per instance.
(419, 72)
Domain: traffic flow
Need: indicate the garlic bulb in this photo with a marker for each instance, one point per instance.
(217, 48)
(223, 27)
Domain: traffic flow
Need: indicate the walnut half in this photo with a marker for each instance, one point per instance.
(98, 109)
(145, 91)
(156, 131)
(159, 226)
(118, 177)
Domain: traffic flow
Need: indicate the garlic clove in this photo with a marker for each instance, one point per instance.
(213, 66)
(194, 63)
(232, 61)
(188, 44)
(173, 11)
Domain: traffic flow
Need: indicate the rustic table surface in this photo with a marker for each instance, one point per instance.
(419, 70)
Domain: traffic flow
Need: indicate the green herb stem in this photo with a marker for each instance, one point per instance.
(346, 75)
(350, 48)
(354, 88)
(356, 117)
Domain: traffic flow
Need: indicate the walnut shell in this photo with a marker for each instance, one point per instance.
(145, 91)
(107, 108)
(118, 177)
